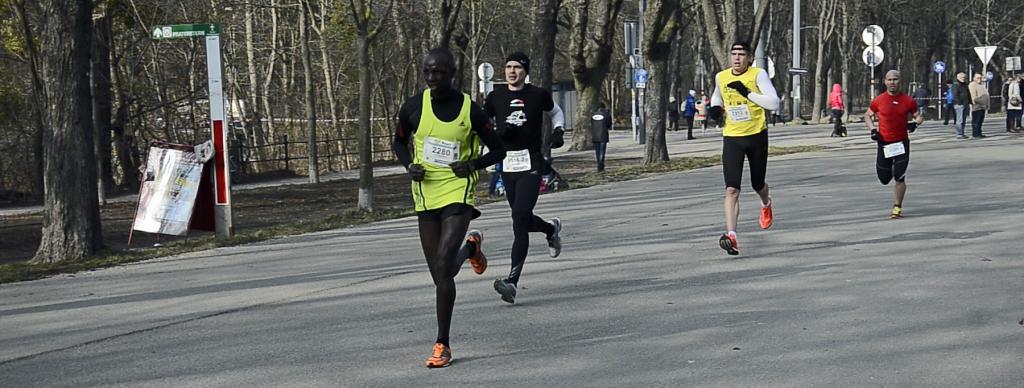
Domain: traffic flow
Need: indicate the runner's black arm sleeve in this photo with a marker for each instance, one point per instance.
(403, 132)
(484, 128)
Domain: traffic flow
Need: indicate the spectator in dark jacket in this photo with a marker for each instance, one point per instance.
(690, 110)
(921, 98)
(961, 103)
(600, 123)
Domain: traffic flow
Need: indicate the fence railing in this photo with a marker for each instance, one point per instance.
(292, 155)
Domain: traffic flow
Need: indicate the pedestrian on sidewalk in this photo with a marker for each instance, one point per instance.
(921, 95)
(742, 98)
(600, 123)
(980, 102)
(949, 103)
(689, 111)
(891, 111)
(445, 129)
(961, 103)
(1014, 104)
(835, 100)
(673, 114)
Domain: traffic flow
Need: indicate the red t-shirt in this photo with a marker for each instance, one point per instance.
(892, 114)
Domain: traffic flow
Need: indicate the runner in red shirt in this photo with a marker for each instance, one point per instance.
(891, 110)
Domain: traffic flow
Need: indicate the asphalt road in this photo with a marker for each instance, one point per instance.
(834, 295)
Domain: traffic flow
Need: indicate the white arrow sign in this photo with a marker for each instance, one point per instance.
(985, 53)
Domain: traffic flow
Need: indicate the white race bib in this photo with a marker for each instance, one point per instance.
(893, 150)
(739, 113)
(516, 161)
(440, 152)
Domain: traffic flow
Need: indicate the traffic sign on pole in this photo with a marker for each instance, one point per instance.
(939, 67)
(985, 53)
(873, 55)
(1013, 63)
(185, 31)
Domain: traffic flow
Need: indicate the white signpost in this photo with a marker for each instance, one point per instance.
(221, 178)
(485, 72)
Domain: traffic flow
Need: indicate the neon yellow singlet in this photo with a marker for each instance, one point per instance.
(438, 143)
(742, 116)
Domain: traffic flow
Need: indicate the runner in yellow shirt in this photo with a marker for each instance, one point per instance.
(743, 95)
(447, 131)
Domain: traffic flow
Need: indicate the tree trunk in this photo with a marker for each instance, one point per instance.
(365, 135)
(444, 14)
(101, 105)
(313, 165)
(71, 218)
(661, 21)
(544, 30)
(591, 59)
(254, 124)
(826, 28)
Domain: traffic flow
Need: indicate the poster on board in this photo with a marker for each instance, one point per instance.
(169, 190)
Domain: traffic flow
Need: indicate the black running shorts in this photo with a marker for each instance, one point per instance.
(894, 168)
(755, 149)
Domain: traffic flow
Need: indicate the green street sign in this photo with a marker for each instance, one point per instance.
(185, 31)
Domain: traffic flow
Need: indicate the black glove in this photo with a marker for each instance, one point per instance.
(874, 135)
(462, 169)
(912, 126)
(557, 139)
(739, 87)
(417, 172)
(715, 113)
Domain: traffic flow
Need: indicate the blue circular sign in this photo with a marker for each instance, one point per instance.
(939, 67)
(989, 76)
(641, 75)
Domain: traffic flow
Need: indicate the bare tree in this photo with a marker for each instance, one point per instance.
(366, 33)
(722, 26)
(544, 31)
(312, 162)
(444, 16)
(593, 38)
(827, 10)
(662, 20)
(71, 218)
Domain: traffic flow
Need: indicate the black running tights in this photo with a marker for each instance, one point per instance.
(521, 190)
(441, 240)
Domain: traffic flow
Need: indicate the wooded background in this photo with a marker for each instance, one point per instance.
(85, 88)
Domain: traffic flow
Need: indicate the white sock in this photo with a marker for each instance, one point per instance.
(767, 204)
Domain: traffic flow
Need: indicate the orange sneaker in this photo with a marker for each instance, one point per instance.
(766, 215)
(478, 260)
(729, 243)
(441, 357)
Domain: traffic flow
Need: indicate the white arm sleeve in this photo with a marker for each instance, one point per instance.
(716, 97)
(769, 98)
(557, 117)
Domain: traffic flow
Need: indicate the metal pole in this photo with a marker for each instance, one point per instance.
(221, 177)
(796, 60)
(642, 127)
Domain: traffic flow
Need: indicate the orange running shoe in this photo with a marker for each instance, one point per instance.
(478, 260)
(766, 215)
(729, 243)
(441, 357)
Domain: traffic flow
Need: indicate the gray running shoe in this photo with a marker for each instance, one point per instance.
(555, 241)
(506, 289)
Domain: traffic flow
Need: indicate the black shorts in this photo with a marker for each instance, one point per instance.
(894, 168)
(454, 209)
(755, 149)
